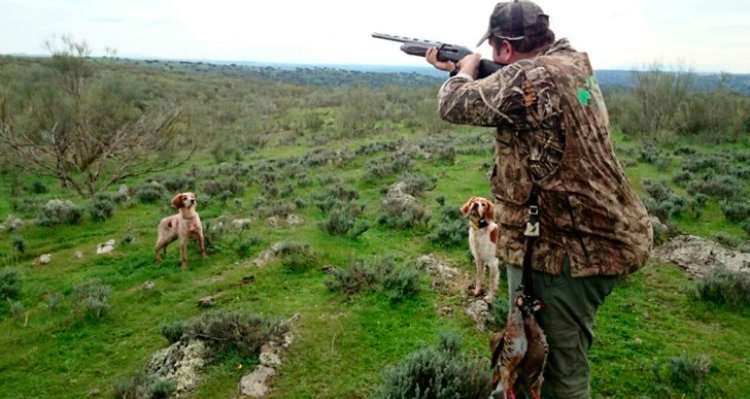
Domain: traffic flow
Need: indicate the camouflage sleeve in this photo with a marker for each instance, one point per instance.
(493, 101)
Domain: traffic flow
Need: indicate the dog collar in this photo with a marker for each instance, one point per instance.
(480, 224)
(188, 218)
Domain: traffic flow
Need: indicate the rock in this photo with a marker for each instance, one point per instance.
(123, 191)
(699, 256)
(79, 255)
(638, 341)
(270, 359)
(94, 393)
(181, 363)
(268, 255)
(437, 268)
(295, 318)
(479, 311)
(445, 311)
(657, 225)
(105, 248)
(240, 224)
(293, 219)
(248, 280)
(288, 340)
(273, 221)
(45, 259)
(328, 269)
(254, 384)
(148, 286)
(210, 300)
(11, 223)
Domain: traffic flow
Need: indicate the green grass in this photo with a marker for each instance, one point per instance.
(341, 346)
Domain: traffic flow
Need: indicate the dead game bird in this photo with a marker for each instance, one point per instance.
(530, 373)
(508, 351)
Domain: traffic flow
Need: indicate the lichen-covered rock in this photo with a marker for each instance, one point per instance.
(105, 248)
(255, 384)
(479, 311)
(180, 363)
(699, 256)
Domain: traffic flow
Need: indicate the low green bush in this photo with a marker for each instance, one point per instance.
(440, 372)
(101, 207)
(725, 286)
(10, 283)
(683, 373)
(242, 332)
(402, 284)
(57, 212)
(93, 298)
(151, 192)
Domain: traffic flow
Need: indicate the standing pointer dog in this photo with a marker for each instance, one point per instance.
(183, 225)
(483, 233)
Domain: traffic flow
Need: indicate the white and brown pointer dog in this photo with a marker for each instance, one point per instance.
(183, 225)
(483, 234)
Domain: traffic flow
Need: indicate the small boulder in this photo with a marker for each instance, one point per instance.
(479, 311)
(105, 248)
(240, 224)
(293, 219)
(45, 259)
(79, 255)
(273, 222)
(148, 286)
(255, 384)
(208, 301)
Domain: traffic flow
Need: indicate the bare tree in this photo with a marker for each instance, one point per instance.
(88, 132)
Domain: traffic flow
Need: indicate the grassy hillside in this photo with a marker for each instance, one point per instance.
(280, 149)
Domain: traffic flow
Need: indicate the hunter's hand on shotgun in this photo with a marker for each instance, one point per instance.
(444, 56)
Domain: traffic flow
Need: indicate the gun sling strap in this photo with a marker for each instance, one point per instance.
(531, 233)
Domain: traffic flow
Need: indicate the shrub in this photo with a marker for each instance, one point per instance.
(402, 211)
(726, 240)
(19, 244)
(37, 187)
(684, 373)
(217, 187)
(16, 310)
(361, 276)
(133, 387)
(450, 231)
(440, 372)
(54, 300)
(101, 208)
(161, 389)
(173, 331)
(499, 313)
(300, 262)
(415, 184)
(93, 297)
(245, 333)
(735, 210)
(10, 283)
(724, 187)
(725, 286)
(342, 221)
(150, 192)
(58, 212)
(386, 166)
(179, 184)
(245, 246)
(402, 284)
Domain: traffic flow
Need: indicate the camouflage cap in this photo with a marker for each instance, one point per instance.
(513, 20)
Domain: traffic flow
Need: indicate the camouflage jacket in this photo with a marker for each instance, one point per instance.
(553, 131)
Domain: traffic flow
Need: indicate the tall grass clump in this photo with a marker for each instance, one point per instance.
(438, 372)
(683, 373)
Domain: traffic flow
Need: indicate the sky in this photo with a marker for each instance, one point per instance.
(704, 36)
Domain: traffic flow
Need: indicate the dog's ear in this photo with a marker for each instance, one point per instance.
(465, 207)
(177, 201)
(489, 213)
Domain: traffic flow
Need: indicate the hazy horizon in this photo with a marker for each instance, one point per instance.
(686, 34)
